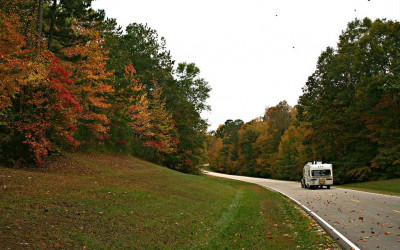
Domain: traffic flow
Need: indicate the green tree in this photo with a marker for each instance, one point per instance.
(186, 99)
(61, 17)
(227, 160)
(350, 102)
(292, 153)
(183, 90)
(278, 119)
(248, 153)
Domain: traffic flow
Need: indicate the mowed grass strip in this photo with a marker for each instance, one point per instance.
(391, 187)
(98, 201)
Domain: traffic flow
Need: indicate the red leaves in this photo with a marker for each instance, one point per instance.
(130, 71)
(39, 101)
(122, 141)
(59, 80)
(90, 84)
(150, 119)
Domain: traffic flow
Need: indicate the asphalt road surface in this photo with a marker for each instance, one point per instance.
(367, 220)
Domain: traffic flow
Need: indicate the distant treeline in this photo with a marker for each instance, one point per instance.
(70, 79)
(348, 115)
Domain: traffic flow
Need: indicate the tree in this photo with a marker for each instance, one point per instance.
(351, 97)
(60, 21)
(163, 139)
(213, 151)
(60, 89)
(248, 153)
(91, 87)
(227, 158)
(278, 119)
(185, 98)
(292, 153)
(183, 92)
(38, 109)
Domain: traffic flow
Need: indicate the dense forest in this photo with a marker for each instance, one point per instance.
(71, 79)
(348, 115)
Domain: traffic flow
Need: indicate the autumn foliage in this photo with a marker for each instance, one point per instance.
(70, 80)
(348, 115)
(36, 103)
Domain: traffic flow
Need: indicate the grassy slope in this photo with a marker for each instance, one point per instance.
(384, 187)
(102, 201)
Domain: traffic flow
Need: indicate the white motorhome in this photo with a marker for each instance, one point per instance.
(317, 175)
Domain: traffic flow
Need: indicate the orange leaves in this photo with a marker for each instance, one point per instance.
(140, 114)
(12, 66)
(162, 122)
(35, 138)
(91, 87)
(214, 147)
(150, 121)
(40, 105)
(41, 97)
(130, 71)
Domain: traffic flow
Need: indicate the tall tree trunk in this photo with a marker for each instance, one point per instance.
(40, 25)
(52, 23)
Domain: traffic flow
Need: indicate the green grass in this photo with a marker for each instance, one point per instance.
(391, 187)
(101, 201)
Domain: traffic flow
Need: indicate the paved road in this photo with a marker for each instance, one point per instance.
(370, 221)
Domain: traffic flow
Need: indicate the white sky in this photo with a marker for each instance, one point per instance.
(244, 49)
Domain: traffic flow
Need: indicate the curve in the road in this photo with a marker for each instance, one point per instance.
(365, 220)
(332, 231)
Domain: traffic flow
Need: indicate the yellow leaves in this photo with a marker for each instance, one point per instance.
(90, 72)
(36, 74)
(214, 147)
(98, 102)
(150, 120)
(92, 116)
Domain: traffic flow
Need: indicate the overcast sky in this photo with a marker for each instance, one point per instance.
(253, 53)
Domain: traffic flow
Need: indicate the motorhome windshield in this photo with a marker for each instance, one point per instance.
(323, 172)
